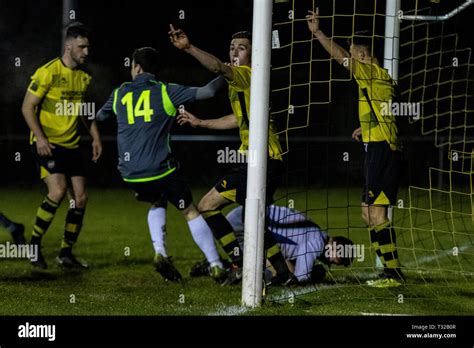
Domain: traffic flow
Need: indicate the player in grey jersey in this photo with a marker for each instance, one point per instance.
(145, 110)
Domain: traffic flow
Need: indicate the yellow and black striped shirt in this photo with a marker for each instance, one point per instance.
(239, 95)
(58, 86)
(376, 90)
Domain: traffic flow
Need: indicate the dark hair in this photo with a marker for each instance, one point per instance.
(243, 35)
(370, 42)
(147, 57)
(75, 30)
(339, 240)
(362, 38)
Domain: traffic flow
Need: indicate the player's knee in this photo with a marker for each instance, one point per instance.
(57, 193)
(376, 220)
(81, 199)
(376, 216)
(204, 205)
(190, 212)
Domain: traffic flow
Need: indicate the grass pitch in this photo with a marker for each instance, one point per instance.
(438, 282)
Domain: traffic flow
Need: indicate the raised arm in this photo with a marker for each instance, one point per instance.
(180, 40)
(226, 122)
(336, 51)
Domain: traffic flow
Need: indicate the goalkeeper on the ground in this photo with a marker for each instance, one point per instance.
(305, 246)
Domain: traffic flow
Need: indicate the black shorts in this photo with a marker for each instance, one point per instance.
(382, 169)
(233, 186)
(69, 162)
(172, 188)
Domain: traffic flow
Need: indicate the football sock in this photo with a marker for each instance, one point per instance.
(9, 225)
(388, 249)
(44, 216)
(273, 254)
(73, 227)
(157, 226)
(375, 243)
(203, 237)
(224, 233)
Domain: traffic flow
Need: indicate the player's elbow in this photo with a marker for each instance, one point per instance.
(27, 108)
(216, 67)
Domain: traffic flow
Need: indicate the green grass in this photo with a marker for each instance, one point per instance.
(438, 283)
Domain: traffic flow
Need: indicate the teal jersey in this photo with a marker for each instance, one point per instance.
(145, 111)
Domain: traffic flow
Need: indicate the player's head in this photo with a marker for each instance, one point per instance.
(339, 251)
(360, 46)
(240, 51)
(144, 60)
(76, 43)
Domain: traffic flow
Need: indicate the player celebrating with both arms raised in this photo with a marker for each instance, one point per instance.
(233, 186)
(379, 134)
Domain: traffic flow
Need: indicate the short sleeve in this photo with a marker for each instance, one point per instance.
(242, 77)
(180, 94)
(40, 82)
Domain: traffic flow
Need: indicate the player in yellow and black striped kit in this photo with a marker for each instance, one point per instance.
(53, 107)
(380, 136)
(233, 186)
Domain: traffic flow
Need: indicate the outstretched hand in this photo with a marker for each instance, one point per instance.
(313, 20)
(179, 38)
(188, 118)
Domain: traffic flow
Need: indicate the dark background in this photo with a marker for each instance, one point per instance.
(31, 31)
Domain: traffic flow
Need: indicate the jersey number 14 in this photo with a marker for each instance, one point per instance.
(141, 109)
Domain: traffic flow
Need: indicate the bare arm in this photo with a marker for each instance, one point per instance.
(336, 51)
(180, 40)
(28, 109)
(226, 122)
(96, 143)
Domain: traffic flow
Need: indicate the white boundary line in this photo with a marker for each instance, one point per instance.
(229, 311)
(285, 294)
(385, 314)
(444, 253)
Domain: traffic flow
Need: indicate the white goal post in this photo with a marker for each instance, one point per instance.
(257, 154)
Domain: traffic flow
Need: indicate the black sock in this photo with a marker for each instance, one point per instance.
(71, 232)
(44, 217)
(224, 233)
(274, 255)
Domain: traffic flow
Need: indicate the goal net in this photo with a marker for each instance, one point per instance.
(314, 102)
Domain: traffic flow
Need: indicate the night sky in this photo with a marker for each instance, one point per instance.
(30, 30)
